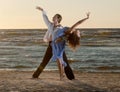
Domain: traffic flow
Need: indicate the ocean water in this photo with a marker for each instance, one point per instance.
(23, 49)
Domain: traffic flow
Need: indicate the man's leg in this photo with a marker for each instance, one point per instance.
(68, 70)
(44, 62)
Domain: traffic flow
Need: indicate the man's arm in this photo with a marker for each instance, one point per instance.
(46, 20)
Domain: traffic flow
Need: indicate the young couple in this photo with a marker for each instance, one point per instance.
(57, 36)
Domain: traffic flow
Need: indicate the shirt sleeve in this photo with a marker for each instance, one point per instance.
(45, 18)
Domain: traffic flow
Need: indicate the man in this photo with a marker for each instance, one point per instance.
(52, 29)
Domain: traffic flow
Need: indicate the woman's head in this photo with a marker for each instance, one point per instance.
(57, 18)
(74, 39)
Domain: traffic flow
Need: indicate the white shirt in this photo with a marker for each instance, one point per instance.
(49, 35)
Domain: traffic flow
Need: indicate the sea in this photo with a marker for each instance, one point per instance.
(23, 50)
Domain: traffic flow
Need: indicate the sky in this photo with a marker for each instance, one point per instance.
(21, 14)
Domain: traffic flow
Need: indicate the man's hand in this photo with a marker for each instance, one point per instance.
(58, 39)
(39, 8)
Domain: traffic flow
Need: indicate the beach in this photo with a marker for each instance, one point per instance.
(48, 81)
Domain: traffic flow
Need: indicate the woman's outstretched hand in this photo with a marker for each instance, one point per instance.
(39, 8)
(88, 14)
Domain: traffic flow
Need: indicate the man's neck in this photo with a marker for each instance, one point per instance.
(58, 25)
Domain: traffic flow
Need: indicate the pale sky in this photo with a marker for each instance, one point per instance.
(22, 13)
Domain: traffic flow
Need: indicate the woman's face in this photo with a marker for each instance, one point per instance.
(78, 33)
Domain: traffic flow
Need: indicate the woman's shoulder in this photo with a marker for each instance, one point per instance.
(65, 28)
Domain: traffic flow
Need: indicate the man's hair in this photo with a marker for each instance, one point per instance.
(59, 17)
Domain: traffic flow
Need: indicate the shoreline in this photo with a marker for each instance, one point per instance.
(82, 70)
(48, 81)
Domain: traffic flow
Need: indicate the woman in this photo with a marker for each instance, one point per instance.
(70, 35)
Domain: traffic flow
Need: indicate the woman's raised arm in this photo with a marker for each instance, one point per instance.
(71, 29)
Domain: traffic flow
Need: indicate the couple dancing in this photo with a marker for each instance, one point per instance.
(57, 36)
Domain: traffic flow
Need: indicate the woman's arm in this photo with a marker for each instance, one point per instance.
(46, 20)
(72, 29)
(78, 23)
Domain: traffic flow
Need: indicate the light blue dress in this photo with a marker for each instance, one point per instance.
(59, 47)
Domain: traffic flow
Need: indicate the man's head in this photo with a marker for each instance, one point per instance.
(57, 18)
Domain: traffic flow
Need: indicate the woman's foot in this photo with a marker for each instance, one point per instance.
(62, 77)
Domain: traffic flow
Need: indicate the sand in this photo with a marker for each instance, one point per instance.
(48, 81)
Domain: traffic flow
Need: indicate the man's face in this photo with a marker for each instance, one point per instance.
(55, 19)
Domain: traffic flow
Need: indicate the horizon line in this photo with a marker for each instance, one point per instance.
(77, 28)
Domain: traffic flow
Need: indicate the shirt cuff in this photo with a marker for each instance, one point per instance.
(44, 12)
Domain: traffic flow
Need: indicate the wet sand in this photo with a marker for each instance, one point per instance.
(48, 81)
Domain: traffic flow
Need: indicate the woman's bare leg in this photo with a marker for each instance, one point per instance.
(61, 68)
